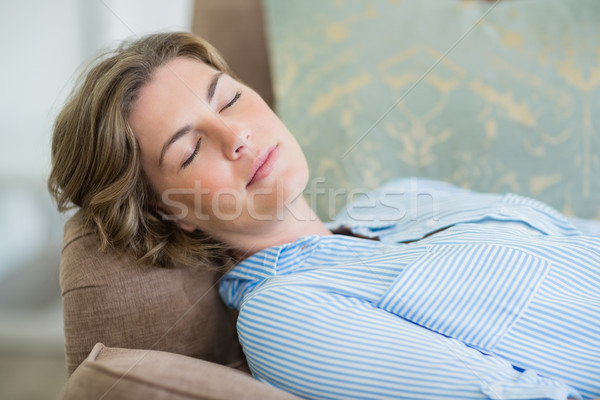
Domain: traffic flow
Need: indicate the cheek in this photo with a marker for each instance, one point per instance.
(213, 179)
(300, 163)
(179, 203)
(203, 209)
(189, 198)
(223, 206)
(216, 197)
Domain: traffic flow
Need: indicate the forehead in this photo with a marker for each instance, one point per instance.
(180, 76)
(174, 87)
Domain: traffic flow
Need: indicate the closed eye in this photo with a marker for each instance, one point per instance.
(194, 153)
(232, 102)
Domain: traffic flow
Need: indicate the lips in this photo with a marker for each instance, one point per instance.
(263, 165)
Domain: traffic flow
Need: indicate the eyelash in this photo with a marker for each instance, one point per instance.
(195, 152)
(232, 102)
(191, 158)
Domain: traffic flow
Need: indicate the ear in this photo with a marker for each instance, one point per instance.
(185, 226)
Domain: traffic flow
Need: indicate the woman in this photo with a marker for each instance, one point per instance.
(476, 296)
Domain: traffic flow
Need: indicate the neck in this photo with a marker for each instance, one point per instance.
(297, 222)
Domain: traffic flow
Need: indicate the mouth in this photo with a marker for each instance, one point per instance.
(263, 165)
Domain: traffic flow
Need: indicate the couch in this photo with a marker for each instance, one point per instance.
(486, 95)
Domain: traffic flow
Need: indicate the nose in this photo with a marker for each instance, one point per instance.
(236, 140)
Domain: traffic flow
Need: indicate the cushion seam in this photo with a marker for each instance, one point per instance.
(140, 380)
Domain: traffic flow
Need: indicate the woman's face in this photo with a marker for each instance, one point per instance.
(218, 157)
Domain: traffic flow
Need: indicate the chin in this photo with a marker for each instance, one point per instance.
(302, 177)
(296, 175)
(295, 183)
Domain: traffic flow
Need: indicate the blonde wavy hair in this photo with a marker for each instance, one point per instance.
(96, 159)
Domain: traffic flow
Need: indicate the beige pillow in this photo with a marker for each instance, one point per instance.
(113, 373)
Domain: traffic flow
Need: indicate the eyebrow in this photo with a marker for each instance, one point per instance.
(188, 128)
(213, 86)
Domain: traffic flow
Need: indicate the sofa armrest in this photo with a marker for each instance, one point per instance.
(117, 373)
(109, 298)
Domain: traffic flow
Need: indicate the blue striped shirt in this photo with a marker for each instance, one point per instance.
(464, 296)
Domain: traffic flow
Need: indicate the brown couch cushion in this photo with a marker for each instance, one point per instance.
(112, 373)
(110, 299)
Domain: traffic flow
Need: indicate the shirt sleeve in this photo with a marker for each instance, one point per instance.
(323, 345)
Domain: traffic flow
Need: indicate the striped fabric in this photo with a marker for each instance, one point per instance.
(503, 304)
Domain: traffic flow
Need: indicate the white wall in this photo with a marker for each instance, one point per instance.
(40, 47)
(43, 45)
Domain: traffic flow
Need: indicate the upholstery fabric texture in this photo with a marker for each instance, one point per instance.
(242, 43)
(493, 96)
(111, 299)
(124, 374)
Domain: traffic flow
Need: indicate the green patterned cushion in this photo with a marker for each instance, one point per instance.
(493, 96)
